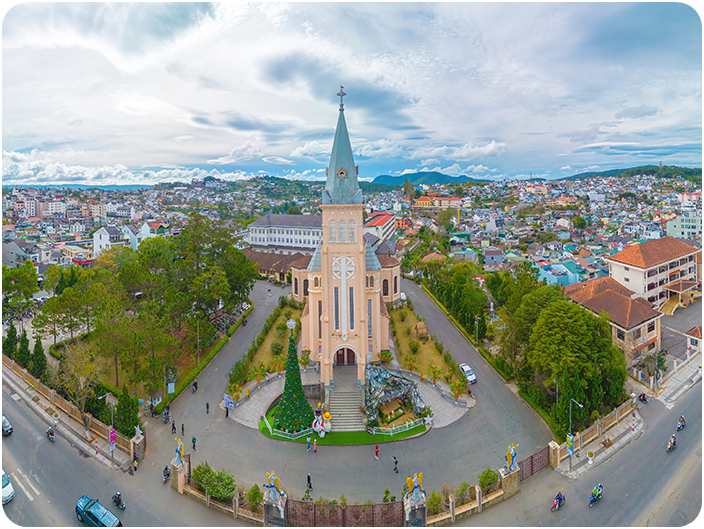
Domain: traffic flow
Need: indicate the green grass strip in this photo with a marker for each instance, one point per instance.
(342, 438)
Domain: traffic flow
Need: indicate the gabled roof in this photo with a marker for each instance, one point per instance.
(379, 220)
(695, 332)
(371, 261)
(624, 311)
(302, 263)
(282, 220)
(315, 264)
(387, 261)
(652, 253)
(588, 289)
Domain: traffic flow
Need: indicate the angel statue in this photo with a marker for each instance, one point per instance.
(273, 485)
(415, 486)
(511, 458)
(179, 453)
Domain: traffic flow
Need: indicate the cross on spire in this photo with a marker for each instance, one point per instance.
(341, 93)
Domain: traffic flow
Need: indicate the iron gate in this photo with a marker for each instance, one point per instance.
(308, 514)
(534, 463)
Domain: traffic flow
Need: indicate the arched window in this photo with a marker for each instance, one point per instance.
(395, 284)
(371, 281)
(295, 286)
(332, 230)
(385, 288)
(305, 288)
(352, 231)
(342, 231)
(315, 282)
(367, 281)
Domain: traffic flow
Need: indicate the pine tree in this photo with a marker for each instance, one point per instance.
(293, 413)
(127, 413)
(482, 326)
(9, 346)
(38, 360)
(22, 357)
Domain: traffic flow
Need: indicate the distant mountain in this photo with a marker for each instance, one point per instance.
(126, 187)
(425, 177)
(374, 187)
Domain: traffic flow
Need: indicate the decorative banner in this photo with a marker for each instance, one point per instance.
(229, 403)
(570, 444)
(171, 388)
(112, 440)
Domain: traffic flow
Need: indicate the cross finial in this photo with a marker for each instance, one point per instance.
(341, 93)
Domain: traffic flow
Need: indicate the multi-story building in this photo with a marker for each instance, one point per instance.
(656, 269)
(15, 253)
(383, 226)
(285, 234)
(98, 211)
(105, 238)
(688, 225)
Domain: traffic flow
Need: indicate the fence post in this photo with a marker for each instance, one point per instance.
(554, 454)
(479, 498)
(207, 497)
(452, 507)
(235, 504)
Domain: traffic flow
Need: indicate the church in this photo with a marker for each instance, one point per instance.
(345, 285)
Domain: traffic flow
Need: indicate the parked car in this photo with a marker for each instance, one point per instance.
(6, 426)
(91, 512)
(468, 373)
(7, 491)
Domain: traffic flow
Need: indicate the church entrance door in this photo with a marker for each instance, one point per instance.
(350, 357)
(340, 358)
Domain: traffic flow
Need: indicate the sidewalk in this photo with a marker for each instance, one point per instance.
(67, 427)
(620, 435)
(676, 385)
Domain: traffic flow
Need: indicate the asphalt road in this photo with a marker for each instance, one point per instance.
(643, 485)
(673, 328)
(49, 478)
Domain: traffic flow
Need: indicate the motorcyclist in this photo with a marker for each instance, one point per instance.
(681, 420)
(673, 441)
(167, 471)
(558, 498)
(597, 491)
(117, 498)
(50, 432)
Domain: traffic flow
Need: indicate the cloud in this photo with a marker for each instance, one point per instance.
(642, 111)
(310, 149)
(184, 137)
(465, 153)
(244, 152)
(379, 148)
(429, 161)
(478, 169)
(277, 160)
(453, 170)
(585, 135)
(565, 168)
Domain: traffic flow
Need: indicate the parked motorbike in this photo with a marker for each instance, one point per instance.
(50, 434)
(165, 475)
(118, 501)
(167, 416)
(555, 505)
(643, 398)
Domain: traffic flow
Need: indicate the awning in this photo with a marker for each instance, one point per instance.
(680, 286)
(644, 344)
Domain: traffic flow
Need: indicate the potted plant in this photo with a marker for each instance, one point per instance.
(590, 455)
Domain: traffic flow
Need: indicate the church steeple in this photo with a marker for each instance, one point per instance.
(342, 186)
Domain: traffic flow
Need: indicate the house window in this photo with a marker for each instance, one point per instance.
(351, 308)
(337, 308)
(636, 334)
(626, 279)
(366, 281)
(395, 284)
(295, 286)
(651, 346)
(385, 288)
(342, 231)
(332, 230)
(320, 319)
(371, 281)
(369, 317)
(315, 282)
(352, 231)
(626, 268)
(620, 335)
(651, 327)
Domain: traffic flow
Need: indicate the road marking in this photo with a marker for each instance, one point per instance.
(31, 498)
(670, 406)
(29, 482)
(15, 397)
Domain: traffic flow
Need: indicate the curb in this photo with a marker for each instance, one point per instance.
(67, 431)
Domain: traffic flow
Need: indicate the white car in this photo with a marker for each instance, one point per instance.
(468, 373)
(7, 491)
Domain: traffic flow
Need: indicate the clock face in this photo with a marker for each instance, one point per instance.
(342, 173)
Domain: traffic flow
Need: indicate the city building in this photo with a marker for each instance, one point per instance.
(688, 225)
(285, 234)
(105, 238)
(383, 226)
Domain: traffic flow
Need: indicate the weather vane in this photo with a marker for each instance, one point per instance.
(341, 93)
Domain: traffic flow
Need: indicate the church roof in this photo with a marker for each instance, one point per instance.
(371, 261)
(315, 264)
(341, 186)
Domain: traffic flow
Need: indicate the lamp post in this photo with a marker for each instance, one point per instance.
(557, 391)
(477, 338)
(112, 418)
(578, 404)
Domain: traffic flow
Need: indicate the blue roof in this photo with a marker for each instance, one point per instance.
(315, 264)
(371, 261)
(341, 186)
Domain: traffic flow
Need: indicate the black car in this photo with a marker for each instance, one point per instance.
(91, 512)
(6, 426)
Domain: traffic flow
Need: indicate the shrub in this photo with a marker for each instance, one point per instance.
(462, 490)
(222, 486)
(239, 372)
(255, 496)
(202, 474)
(414, 346)
(408, 330)
(280, 330)
(343, 501)
(458, 387)
(259, 372)
(287, 314)
(594, 415)
(410, 362)
(276, 347)
(304, 358)
(402, 315)
(434, 372)
(434, 499)
(387, 497)
(385, 356)
(487, 478)
(278, 364)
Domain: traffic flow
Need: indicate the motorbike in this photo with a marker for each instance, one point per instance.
(680, 425)
(165, 476)
(671, 446)
(118, 502)
(643, 398)
(556, 506)
(593, 499)
(50, 435)
(167, 417)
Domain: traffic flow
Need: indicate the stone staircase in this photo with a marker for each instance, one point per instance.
(344, 408)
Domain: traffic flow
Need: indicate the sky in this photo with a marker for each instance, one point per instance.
(105, 94)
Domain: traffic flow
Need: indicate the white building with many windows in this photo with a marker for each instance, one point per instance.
(285, 234)
(688, 225)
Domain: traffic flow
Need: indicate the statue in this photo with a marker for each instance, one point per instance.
(179, 453)
(415, 487)
(511, 458)
(273, 486)
(321, 422)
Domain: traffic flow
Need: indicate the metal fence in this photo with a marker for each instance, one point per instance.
(292, 436)
(534, 463)
(308, 514)
(396, 429)
(440, 389)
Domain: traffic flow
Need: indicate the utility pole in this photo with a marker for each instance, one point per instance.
(578, 404)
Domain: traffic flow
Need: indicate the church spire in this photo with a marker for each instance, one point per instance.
(341, 186)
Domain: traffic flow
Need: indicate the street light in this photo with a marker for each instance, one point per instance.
(557, 392)
(578, 404)
(112, 422)
(477, 339)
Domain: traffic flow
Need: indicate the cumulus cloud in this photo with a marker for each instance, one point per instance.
(565, 168)
(277, 160)
(642, 111)
(429, 161)
(379, 148)
(244, 152)
(466, 153)
(310, 149)
(585, 135)
(453, 170)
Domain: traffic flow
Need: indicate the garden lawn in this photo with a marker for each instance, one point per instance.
(427, 353)
(342, 438)
(264, 354)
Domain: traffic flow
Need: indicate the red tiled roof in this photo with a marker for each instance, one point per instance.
(652, 253)
(387, 261)
(695, 332)
(624, 311)
(379, 220)
(583, 291)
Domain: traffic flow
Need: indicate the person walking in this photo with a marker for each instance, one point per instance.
(376, 452)
(183, 430)
(395, 465)
(315, 445)
(308, 441)
(310, 485)
(207, 407)
(173, 427)
(194, 444)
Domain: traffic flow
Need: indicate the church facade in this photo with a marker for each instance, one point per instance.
(345, 285)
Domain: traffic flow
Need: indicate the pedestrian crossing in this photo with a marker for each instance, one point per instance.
(17, 480)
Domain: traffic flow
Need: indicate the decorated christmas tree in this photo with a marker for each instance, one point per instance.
(293, 413)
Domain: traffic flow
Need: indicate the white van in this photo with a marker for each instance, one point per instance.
(7, 491)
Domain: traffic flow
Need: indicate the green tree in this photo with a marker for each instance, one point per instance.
(78, 375)
(49, 321)
(481, 331)
(409, 189)
(38, 359)
(293, 413)
(51, 278)
(22, 356)
(295, 210)
(579, 223)
(127, 413)
(9, 344)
